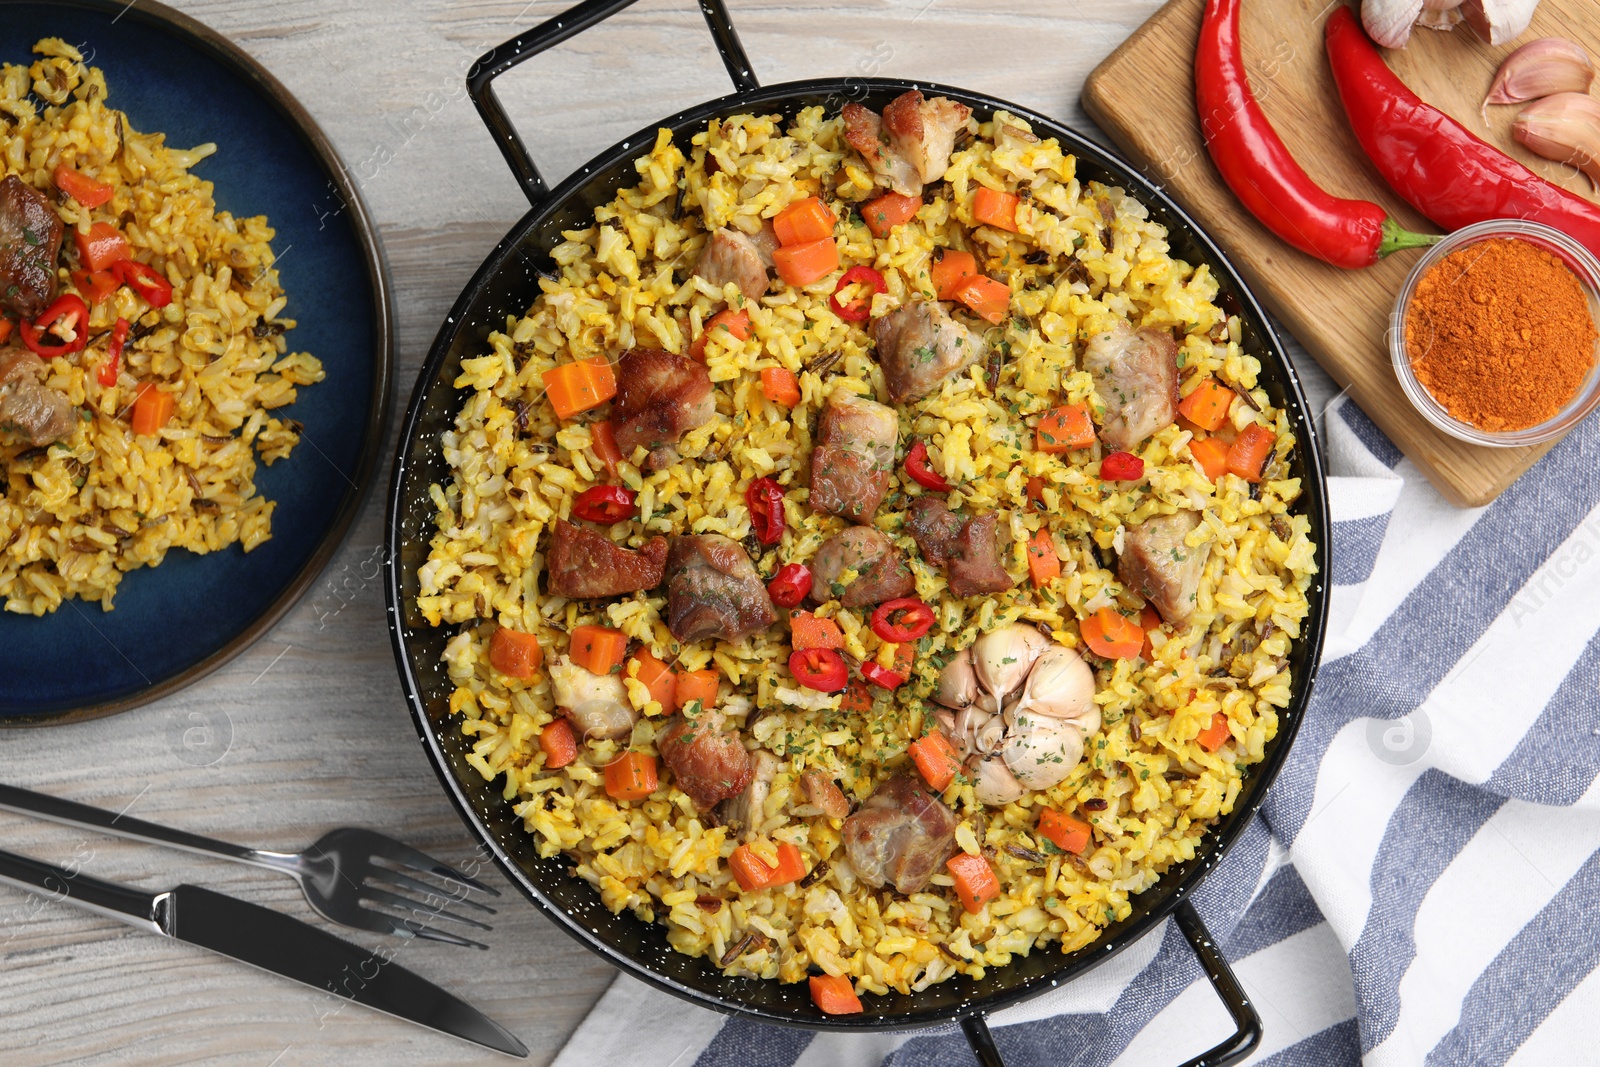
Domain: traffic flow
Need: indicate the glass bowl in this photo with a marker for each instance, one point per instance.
(1582, 263)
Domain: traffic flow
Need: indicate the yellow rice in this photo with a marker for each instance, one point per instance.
(623, 282)
(103, 501)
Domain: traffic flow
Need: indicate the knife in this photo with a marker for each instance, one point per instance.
(273, 942)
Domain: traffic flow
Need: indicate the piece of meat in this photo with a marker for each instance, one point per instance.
(910, 144)
(30, 245)
(597, 704)
(967, 548)
(919, 345)
(881, 571)
(585, 563)
(853, 457)
(713, 590)
(744, 813)
(660, 397)
(28, 407)
(901, 836)
(1136, 374)
(732, 256)
(824, 793)
(709, 763)
(1156, 564)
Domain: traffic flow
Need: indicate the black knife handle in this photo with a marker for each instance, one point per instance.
(552, 32)
(131, 906)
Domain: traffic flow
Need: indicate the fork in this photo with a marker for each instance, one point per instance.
(340, 873)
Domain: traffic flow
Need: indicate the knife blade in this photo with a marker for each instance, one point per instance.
(271, 941)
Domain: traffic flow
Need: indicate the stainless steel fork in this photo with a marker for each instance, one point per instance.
(339, 873)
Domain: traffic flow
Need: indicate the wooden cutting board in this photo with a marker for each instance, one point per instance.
(1143, 97)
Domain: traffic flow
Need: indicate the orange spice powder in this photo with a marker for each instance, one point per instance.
(1500, 333)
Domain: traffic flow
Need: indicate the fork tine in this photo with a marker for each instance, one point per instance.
(428, 934)
(402, 853)
(381, 923)
(407, 882)
(395, 900)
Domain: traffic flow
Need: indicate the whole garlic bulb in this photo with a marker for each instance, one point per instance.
(1001, 660)
(1041, 751)
(1061, 686)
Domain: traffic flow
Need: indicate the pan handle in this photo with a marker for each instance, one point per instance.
(1247, 1032)
(552, 32)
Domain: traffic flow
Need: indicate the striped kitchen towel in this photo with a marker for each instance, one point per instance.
(1423, 883)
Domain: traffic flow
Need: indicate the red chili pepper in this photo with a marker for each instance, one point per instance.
(1261, 172)
(1121, 467)
(604, 503)
(790, 585)
(860, 308)
(903, 619)
(1432, 160)
(765, 500)
(107, 374)
(822, 669)
(921, 473)
(155, 289)
(882, 677)
(67, 306)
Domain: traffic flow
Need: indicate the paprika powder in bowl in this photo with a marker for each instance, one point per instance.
(1493, 335)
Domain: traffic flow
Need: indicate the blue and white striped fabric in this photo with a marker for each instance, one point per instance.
(1423, 883)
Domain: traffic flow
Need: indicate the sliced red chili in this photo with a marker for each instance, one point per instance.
(1121, 467)
(921, 473)
(903, 619)
(107, 374)
(822, 669)
(70, 312)
(882, 677)
(860, 308)
(604, 503)
(145, 281)
(765, 500)
(790, 585)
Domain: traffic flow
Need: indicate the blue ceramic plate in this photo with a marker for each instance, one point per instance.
(176, 622)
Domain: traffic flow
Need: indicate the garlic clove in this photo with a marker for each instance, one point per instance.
(1564, 127)
(1541, 68)
(994, 784)
(958, 685)
(1389, 22)
(1060, 686)
(1001, 660)
(1042, 751)
(1440, 14)
(1499, 21)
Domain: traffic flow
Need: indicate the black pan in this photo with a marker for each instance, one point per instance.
(506, 284)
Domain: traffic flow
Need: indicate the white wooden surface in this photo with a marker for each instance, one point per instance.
(306, 730)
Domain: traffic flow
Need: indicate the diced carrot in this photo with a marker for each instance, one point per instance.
(936, 760)
(905, 658)
(1036, 491)
(102, 246)
(1149, 619)
(803, 264)
(953, 268)
(808, 631)
(994, 208)
(1208, 405)
(631, 776)
(857, 698)
(1216, 735)
(834, 995)
(976, 884)
(6, 326)
(1065, 428)
(734, 324)
(1111, 634)
(152, 409)
(515, 653)
(1065, 832)
(579, 386)
(1044, 566)
(82, 188)
(779, 385)
(657, 677)
(888, 211)
(95, 285)
(603, 441)
(1211, 454)
(698, 685)
(559, 745)
(804, 221)
(598, 649)
(752, 872)
(987, 298)
(1250, 451)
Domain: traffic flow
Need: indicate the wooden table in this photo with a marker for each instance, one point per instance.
(307, 730)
